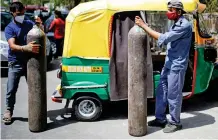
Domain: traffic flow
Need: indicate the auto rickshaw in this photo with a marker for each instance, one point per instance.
(96, 32)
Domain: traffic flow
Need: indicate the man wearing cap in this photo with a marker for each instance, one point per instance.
(169, 90)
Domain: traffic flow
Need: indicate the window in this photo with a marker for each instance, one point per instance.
(203, 29)
(159, 22)
(5, 19)
(202, 24)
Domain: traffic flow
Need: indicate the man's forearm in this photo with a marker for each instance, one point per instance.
(13, 46)
(16, 48)
(24, 48)
(151, 32)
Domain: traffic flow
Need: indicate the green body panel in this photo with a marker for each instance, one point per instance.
(101, 92)
(203, 76)
(203, 73)
(85, 79)
(89, 79)
(156, 82)
(79, 79)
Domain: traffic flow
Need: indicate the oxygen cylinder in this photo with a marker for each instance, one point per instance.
(137, 82)
(36, 80)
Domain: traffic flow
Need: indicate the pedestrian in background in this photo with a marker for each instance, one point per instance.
(169, 90)
(39, 22)
(18, 54)
(58, 24)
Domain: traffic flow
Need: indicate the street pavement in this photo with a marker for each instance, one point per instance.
(199, 118)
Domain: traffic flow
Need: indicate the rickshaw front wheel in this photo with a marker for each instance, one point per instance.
(87, 108)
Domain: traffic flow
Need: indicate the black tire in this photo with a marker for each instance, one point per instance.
(212, 90)
(215, 89)
(95, 106)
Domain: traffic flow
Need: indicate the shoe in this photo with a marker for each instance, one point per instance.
(169, 128)
(157, 123)
(7, 118)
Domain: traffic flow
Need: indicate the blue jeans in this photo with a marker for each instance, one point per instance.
(169, 92)
(15, 71)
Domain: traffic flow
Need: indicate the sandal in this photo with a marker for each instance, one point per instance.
(7, 117)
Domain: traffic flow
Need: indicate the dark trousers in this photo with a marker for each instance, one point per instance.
(59, 45)
(169, 92)
(15, 71)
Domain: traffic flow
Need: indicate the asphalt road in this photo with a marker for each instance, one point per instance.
(199, 118)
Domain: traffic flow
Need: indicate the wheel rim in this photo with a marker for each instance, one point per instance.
(87, 108)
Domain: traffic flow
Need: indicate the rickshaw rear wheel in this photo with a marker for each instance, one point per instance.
(213, 89)
(87, 108)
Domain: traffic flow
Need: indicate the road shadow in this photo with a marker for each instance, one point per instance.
(198, 120)
(199, 102)
(20, 119)
(193, 106)
(59, 118)
(17, 119)
(115, 111)
(119, 111)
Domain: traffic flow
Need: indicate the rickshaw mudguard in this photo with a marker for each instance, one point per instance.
(85, 87)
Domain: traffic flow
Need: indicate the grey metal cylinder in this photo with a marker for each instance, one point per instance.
(137, 78)
(36, 79)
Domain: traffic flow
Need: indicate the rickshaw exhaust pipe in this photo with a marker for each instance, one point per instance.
(137, 82)
(36, 79)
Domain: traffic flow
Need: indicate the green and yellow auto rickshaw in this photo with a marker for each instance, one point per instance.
(96, 33)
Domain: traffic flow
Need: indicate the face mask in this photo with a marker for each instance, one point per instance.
(19, 19)
(172, 15)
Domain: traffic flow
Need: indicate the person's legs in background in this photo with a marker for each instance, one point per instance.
(59, 46)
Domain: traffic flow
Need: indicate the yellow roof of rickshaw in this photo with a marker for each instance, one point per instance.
(127, 5)
(87, 31)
